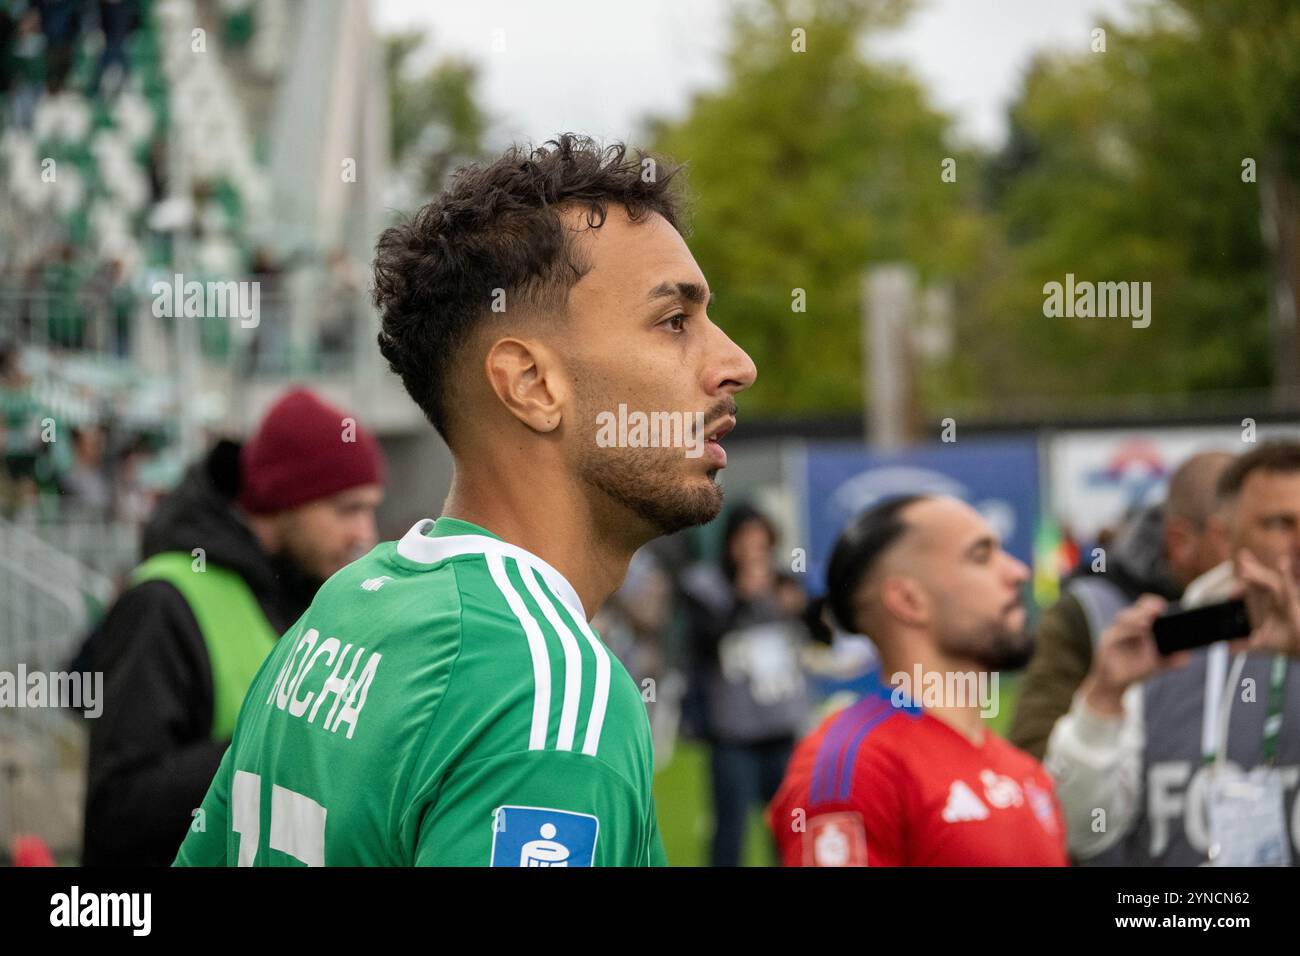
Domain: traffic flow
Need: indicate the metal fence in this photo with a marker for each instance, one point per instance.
(48, 603)
(308, 333)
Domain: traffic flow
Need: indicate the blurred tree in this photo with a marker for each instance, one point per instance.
(436, 121)
(1128, 165)
(1123, 165)
(1256, 48)
(805, 167)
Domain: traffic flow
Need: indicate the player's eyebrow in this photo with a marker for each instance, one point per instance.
(690, 291)
(984, 542)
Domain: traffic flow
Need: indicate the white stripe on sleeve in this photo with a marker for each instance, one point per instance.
(572, 659)
(536, 648)
(600, 700)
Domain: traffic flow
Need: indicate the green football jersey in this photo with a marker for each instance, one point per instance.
(442, 702)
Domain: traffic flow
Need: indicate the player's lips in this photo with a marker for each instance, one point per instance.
(713, 440)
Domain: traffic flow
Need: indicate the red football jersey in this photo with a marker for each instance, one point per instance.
(880, 785)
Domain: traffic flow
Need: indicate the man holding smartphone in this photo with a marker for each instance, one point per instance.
(1195, 757)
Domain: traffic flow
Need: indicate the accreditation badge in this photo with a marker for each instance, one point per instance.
(1247, 818)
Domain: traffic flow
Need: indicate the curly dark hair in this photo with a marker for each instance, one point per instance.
(498, 227)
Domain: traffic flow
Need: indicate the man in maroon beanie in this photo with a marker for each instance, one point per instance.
(233, 556)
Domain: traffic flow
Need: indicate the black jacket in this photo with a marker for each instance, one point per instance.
(151, 754)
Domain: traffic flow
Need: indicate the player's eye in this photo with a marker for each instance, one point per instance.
(678, 322)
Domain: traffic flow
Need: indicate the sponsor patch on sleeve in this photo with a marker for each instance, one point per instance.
(835, 839)
(541, 836)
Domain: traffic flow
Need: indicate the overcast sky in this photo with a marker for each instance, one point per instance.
(596, 66)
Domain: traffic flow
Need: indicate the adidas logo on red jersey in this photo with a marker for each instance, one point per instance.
(963, 804)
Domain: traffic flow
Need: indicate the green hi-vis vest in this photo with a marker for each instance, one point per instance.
(237, 634)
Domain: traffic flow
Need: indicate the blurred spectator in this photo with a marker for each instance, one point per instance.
(1147, 757)
(61, 23)
(790, 595)
(1159, 551)
(25, 69)
(909, 775)
(750, 692)
(634, 617)
(270, 349)
(21, 415)
(61, 282)
(86, 491)
(633, 624)
(11, 11)
(266, 524)
(110, 292)
(116, 20)
(1067, 553)
(237, 23)
(132, 502)
(339, 312)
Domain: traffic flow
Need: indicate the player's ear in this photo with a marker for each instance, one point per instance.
(905, 600)
(1219, 528)
(525, 377)
(1180, 540)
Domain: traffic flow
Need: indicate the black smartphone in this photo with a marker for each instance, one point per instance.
(1184, 630)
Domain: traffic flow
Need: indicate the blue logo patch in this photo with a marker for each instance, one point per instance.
(539, 836)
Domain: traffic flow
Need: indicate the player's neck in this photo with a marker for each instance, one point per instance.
(965, 720)
(551, 522)
(915, 667)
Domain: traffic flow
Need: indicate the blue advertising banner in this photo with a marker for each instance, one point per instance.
(997, 477)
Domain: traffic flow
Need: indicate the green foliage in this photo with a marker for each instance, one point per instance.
(1124, 165)
(436, 121)
(806, 167)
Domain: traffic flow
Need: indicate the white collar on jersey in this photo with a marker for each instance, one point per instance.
(417, 546)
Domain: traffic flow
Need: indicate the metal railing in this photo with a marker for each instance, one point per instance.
(287, 336)
(48, 603)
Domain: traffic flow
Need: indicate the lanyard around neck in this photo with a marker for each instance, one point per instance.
(1218, 704)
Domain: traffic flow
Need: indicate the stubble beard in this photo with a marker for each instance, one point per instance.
(648, 483)
(994, 647)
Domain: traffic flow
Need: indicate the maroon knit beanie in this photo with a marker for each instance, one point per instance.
(302, 451)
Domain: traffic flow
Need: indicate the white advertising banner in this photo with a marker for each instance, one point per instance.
(1096, 477)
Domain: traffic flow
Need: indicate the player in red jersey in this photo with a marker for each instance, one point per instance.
(909, 776)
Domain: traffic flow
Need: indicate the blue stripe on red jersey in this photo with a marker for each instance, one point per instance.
(832, 776)
(830, 753)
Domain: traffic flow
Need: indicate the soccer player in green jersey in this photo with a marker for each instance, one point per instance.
(444, 700)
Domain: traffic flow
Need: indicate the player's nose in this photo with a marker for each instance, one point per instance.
(1019, 572)
(732, 369)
